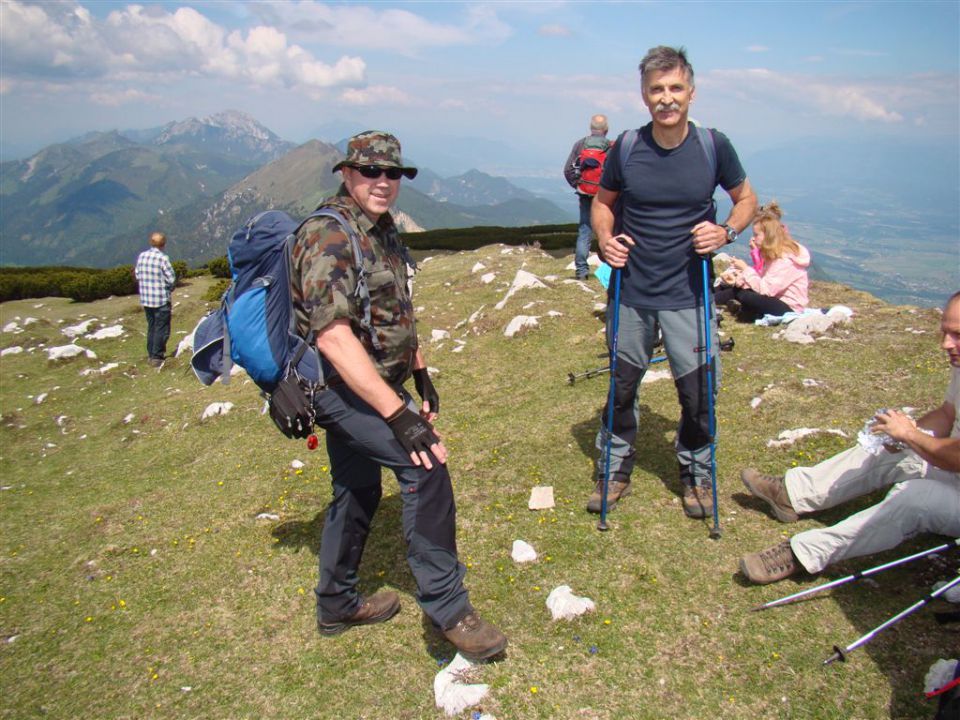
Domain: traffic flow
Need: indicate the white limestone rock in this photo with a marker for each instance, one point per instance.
(453, 692)
(81, 328)
(105, 333)
(215, 409)
(520, 322)
(564, 605)
(65, 352)
(523, 280)
(523, 552)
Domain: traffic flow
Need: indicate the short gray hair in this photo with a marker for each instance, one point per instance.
(598, 125)
(662, 58)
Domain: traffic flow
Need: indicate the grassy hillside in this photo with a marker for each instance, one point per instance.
(136, 579)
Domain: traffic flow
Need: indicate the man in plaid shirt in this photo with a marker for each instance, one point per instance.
(156, 278)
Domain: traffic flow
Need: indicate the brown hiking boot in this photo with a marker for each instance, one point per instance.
(380, 607)
(698, 501)
(773, 490)
(615, 491)
(475, 638)
(770, 565)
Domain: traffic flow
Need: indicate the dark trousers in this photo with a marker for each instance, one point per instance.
(158, 330)
(753, 305)
(360, 443)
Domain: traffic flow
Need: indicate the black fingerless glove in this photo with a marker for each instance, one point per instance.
(426, 390)
(414, 433)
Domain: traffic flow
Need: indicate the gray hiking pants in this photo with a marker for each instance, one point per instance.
(682, 339)
(359, 443)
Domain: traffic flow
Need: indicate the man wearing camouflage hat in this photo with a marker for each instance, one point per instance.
(370, 348)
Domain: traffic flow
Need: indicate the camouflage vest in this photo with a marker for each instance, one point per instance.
(331, 274)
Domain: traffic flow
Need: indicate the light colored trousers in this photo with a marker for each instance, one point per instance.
(923, 499)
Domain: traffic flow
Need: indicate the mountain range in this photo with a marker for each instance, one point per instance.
(93, 201)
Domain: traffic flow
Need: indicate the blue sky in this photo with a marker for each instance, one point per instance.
(520, 74)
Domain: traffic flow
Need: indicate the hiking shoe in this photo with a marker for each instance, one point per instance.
(770, 565)
(773, 490)
(698, 500)
(615, 491)
(475, 638)
(380, 607)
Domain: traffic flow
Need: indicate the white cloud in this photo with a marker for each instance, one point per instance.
(122, 97)
(453, 104)
(554, 30)
(392, 29)
(376, 95)
(757, 48)
(137, 43)
(830, 96)
(594, 93)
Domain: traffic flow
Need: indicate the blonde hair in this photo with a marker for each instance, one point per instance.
(776, 240)
(158, 240)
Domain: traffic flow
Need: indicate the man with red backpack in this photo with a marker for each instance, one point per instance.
(582, 172)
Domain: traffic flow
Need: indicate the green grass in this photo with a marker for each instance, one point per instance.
(133, 565)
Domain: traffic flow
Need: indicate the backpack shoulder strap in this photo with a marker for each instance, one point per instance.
(709, 146)
(362, 292)
(227, 365)
(627, 141)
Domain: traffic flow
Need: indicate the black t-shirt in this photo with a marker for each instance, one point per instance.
(663, 195)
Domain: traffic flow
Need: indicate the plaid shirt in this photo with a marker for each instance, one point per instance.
(156, 277)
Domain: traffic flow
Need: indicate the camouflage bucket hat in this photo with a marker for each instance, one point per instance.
(375, 147)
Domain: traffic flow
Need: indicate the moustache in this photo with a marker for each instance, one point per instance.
(661, 107)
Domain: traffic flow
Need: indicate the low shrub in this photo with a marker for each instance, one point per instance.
(548, 237)
(219, 267)
(215, 292)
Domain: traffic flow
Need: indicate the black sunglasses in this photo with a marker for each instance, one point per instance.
(375, 171)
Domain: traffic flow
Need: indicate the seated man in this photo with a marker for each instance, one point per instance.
(925, 496)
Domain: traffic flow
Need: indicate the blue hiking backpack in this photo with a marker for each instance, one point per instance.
(255, 326)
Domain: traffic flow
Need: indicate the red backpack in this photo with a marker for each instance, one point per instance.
(590, 162)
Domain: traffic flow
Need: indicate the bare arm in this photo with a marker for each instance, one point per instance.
(341, 348)
(940, 450)
(613, 249)
(709, 237)
(418, 362)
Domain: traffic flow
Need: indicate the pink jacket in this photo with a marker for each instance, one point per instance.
(784, 278)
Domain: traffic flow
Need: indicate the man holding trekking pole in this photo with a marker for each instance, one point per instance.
(655, 221)
(921, 462)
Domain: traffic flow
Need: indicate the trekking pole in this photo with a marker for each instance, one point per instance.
(952, 545)
(615, 327)
(715, 530)
(572, 378)
(841, 655)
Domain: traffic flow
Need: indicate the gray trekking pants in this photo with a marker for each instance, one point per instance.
(359, 443)
(682, 339)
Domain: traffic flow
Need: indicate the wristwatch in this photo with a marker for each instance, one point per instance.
(732, 234)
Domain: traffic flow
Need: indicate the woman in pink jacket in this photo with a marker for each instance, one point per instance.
(780, 286)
